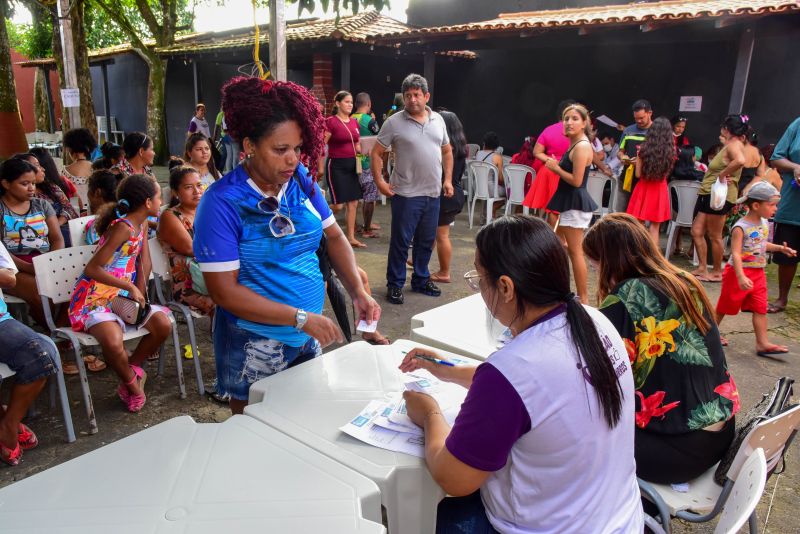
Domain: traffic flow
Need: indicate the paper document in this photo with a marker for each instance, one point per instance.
(362, 326)
(607, 121)
(363, 428)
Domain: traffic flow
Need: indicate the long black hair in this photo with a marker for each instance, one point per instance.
(52, 178)
(135, 141)
(192, 140)
(527, 251)
(455, 131)
(12, 169)
(658, 150)
(132, 193)
(176, 176)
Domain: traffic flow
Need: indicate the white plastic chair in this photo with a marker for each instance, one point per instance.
(484, 187)
(705, 498)
(596, 186)
(514, 176)
(472, 149)
(686, 193)
(77, 227)
(56, 275)
(17, 302)
(6, 372)
(745, 494)
(162, 274)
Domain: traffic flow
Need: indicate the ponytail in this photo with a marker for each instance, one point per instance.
(592, 351)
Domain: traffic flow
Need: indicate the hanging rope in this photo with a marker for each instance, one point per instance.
(256, 46)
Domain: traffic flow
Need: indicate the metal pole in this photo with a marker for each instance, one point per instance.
(742, 72)
(106, 103)
(194, 78)
(68, 48)
(50, 108)
(277, 40)
(429, 71)
(345, 74)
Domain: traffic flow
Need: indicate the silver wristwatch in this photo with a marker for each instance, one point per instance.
(300, 318)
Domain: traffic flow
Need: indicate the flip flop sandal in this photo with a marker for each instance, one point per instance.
(93, 363)
(370, 235)
(723, 341)
(775, 309)
(27, 439)
(439, 279)
(382, 341)
(10, 456)
(767, 353)
(69, 368)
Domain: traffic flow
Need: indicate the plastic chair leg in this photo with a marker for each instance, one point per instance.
(670, 239)
(472, 211)
(489, 210)
(179, 364)
(752, 522)
(62, 394)
(195, 355)
(87, 395)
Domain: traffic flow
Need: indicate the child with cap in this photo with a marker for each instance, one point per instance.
(744, 282)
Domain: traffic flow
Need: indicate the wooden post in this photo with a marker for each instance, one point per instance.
(50, 107)
(344, 84)
(68, 49)
(746, 42)
(277, 40)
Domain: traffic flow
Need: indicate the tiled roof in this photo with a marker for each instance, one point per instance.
(360, 28)
(355, 28)
(634, 13)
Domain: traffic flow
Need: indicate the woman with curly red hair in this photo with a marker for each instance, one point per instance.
(650, 198)
(257, 231)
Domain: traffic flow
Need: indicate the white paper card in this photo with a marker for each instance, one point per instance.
(691, 103)
(71, 98)
(362, 326)
(605, 119)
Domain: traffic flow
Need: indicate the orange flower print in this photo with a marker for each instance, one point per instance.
(653, 338)
(631, 348)
(651, 407)
(729, 391)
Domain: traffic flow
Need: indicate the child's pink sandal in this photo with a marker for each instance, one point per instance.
(134, 403)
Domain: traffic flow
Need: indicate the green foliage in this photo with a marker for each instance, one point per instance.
(690, 347)
(708, 413)
(33, 41)
(639, 299)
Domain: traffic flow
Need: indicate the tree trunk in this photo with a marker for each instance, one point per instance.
(40, 106)
(88, 119)
(12, 139)
(156, 92)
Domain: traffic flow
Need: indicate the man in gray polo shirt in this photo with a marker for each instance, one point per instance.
(423, 169)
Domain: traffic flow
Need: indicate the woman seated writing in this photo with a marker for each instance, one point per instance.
(546, 429)
(176, 232)
(686, 398)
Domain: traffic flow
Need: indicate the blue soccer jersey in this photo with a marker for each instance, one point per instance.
(232, 233)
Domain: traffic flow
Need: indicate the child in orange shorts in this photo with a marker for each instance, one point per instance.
(744, 282)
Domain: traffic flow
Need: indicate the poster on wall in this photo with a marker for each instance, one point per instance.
(690, 103)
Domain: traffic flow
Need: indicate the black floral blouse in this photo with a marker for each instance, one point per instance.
(681, 376)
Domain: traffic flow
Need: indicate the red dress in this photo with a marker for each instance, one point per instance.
(650, 201)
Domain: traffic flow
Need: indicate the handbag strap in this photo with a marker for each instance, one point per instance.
(352, 140)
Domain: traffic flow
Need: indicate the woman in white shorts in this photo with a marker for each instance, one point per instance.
(571, 199)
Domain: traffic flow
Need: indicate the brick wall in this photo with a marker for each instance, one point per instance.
(322, 87)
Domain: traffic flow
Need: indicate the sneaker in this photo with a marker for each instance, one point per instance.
(395, 295)
(429, 289)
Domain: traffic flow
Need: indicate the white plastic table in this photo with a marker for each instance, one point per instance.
(311, 401)
(240, 476)
(463, 326)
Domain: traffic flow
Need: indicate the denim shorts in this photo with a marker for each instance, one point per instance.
(244, 357)
(30, 355)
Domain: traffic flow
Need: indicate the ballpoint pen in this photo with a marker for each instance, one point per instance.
(435, 360)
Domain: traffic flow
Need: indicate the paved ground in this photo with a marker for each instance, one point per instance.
(753, 375)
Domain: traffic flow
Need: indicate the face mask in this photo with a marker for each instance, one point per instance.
(607, 148)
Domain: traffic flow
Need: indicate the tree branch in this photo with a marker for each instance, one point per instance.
(150, 19)
(114, 10)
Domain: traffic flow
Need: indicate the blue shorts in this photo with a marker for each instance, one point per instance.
(30, 355)
(244, 357)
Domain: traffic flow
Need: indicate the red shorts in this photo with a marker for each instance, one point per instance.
(733, 299)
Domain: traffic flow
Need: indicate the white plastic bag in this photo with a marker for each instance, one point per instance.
(719, 193)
